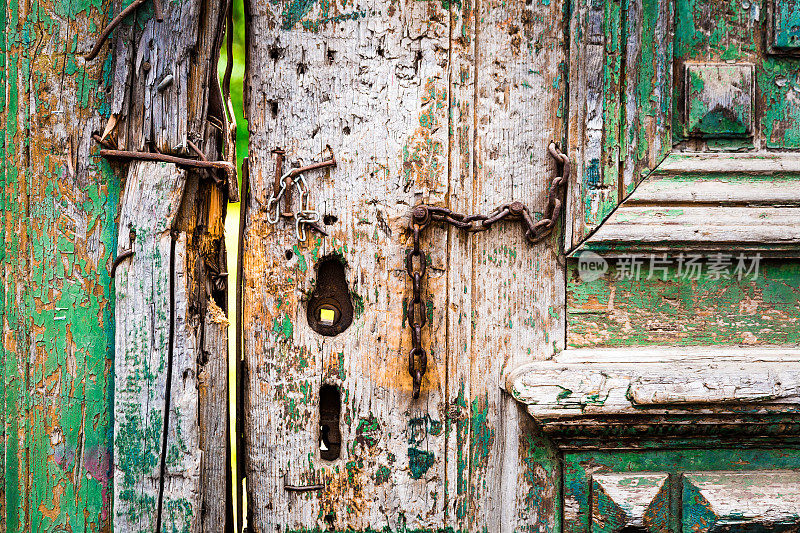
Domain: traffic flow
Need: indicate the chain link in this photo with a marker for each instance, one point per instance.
(423, 216)
(304, 216)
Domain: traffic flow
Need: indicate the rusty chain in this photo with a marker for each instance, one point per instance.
(424, 215)
(285, 184)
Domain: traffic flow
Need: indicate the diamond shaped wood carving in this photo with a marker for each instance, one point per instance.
(638, 501)
(732, 502)
(719, 100)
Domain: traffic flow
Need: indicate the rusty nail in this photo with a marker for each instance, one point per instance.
(420, 214)
(166, 82)
(146, 66)
(279, 153)
(516, 208)
(196, 150)
(119, 259)
(157, 10)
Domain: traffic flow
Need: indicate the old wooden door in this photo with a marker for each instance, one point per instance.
(113, 355)
(445, 103)
(675, 404)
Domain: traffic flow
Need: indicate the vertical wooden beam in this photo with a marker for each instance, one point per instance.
(171, 388)
(58, 206)
(517, 290)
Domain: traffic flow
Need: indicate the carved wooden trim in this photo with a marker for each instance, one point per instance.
(611, 398)
(640, 501)
(766, 500)
(706, 203)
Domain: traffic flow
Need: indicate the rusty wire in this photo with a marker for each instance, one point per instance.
(116, 21)
(229, 168)
(424, 215)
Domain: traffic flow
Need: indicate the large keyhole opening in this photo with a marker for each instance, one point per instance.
(330, 308)
(330, 437)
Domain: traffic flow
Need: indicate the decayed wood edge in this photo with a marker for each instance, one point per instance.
(241, 381)
(761, 497)
(213, 386)
(186, 46)
(644, 381)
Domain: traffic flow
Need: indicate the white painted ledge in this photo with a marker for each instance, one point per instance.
(602, 392)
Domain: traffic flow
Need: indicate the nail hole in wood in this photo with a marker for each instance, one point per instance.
(289, 254)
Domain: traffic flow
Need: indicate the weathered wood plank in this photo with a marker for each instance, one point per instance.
(721, 501)
(147, 311)
(370, 81)
(598, 381)
(58, 209)
(516, 289)
(646, 131)
(594, 115)
(757, 163)
(685, 305)
(171, 433)
(671, 228)
(460, 130)
(212, 382)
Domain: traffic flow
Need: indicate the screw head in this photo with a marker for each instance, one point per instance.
(516, 208)
(420, 214)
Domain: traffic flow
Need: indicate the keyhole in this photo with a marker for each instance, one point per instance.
(330, 308)
(330, 437)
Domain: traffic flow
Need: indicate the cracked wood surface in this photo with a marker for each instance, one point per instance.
(170, 402)
(445, 103)
(60, 206)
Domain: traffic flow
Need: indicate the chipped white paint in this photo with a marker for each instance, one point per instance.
(414, 111)
(659, 380)
(726, 501)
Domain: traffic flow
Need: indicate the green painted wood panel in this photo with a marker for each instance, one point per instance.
(580, 466)
(786, 15)
(618, 309)
(738, 35)
(59, 205)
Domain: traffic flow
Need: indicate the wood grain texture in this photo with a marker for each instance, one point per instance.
(620, 104)
(59, 205)
(724, 501)
(419, 102)
(625, 381)
(705, 202)
(146, 312)
(757, 475)
(674, 308)
(640, 500)
(171, 388)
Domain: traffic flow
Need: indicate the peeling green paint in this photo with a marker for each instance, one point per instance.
(56, 307)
